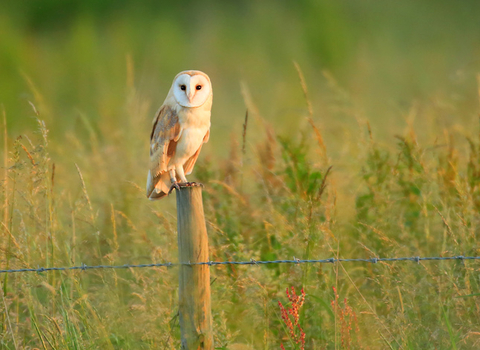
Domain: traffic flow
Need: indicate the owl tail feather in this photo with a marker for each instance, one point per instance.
(157, 187)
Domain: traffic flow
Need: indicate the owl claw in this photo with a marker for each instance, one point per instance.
(179, 185)
(192, 184)
(175, 185)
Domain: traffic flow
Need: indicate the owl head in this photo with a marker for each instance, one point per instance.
(191, 88)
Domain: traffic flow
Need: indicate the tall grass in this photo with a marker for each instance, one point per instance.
(281, 199)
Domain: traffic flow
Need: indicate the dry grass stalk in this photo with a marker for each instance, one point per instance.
(318, 135)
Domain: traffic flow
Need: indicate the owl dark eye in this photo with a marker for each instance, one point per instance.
(183, 87)
(198, 87)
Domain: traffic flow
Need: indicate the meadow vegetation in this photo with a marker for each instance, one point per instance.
(319, 169)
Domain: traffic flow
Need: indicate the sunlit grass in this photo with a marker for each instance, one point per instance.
(277, 200)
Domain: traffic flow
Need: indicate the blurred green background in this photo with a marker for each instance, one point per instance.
(382, 57)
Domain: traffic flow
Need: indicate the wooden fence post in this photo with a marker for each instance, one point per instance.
(194, 286)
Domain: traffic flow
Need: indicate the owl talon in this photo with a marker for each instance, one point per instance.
(188, 184)
(193, 184)
(176, 186)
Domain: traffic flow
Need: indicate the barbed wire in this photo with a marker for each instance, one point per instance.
(84, 267)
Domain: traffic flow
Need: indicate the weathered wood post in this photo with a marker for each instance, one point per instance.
(194, 286)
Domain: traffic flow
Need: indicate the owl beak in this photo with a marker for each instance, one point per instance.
(190, 95)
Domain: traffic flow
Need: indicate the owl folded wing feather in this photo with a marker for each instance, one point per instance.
(163, 142)
(188, 166)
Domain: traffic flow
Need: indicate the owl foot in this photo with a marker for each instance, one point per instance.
(190, 184)
(179, 185)
(175, 185)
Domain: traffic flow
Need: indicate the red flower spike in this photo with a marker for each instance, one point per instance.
(291, 317)
(346, 318)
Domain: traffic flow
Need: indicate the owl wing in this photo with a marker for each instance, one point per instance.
(163, 142)
(188, 166)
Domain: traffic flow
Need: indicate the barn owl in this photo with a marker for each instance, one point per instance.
(180, 128)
